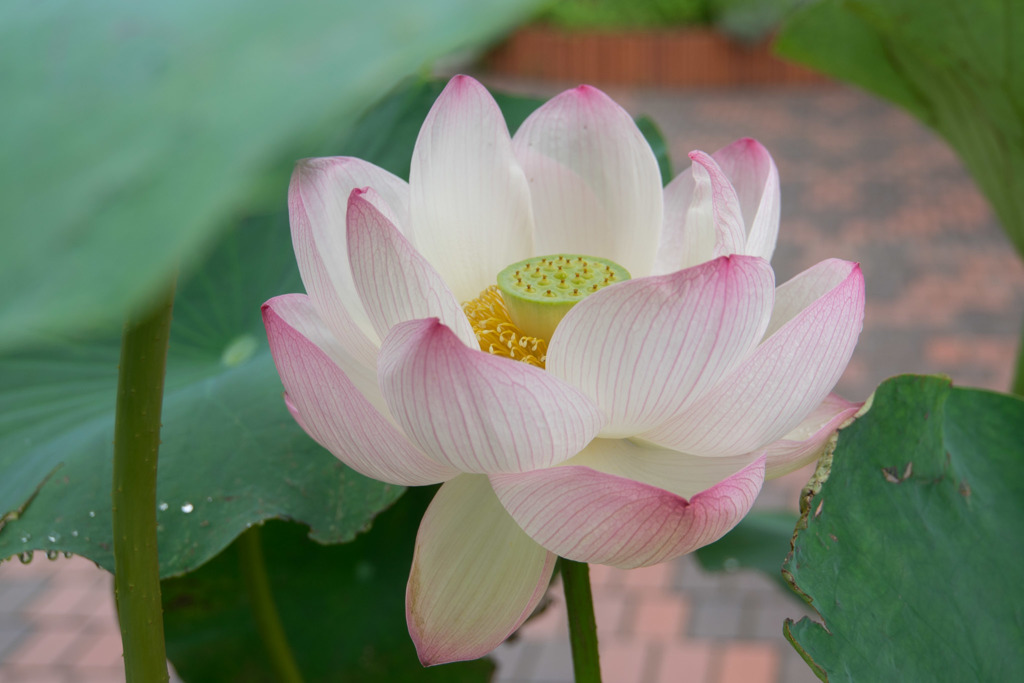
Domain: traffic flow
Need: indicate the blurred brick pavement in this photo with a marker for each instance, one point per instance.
(861, 181)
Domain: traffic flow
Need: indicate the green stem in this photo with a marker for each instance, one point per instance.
(1018, 377)
(264, 611)
(582, 625)
(140, 389)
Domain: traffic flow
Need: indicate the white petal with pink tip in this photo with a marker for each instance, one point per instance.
(476, 576)
(335, 413)
(478, 412)
(644, 349)
(709, 225)
(394, 281)
(594, 181)
(786, 377)
(317, 205)
(470, 203)
(752, 173)
(591, 516)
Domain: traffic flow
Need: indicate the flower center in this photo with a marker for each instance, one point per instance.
(540, 291)
(497, 333)
(516, 318)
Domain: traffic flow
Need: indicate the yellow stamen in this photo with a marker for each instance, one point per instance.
(497, 333)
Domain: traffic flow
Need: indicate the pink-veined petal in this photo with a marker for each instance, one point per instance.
(703, 217)
(470, 202)
(673, 243)
(299, 312)
(644, 349)
(589, 515)
(754, 176)
(594, 180)
(787, 376)
(333, 411)
(317, 204)
(394, 281)
(478, 412)
(475, 575)
(807, 441)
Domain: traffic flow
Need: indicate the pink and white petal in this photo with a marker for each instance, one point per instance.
(680, 473)
(470, 201)
(594, 180)
(587, 515)
(394, 281)
(804, 289)
(645, 349)
(316, 278)
(476, 576)
(784, 379)
(335, 413)
(317, 204)
(677, 197)
(478, 412)
(711, 224)
(754, 176)
(299, 312)
(808, 440)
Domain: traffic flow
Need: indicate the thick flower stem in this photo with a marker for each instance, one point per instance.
(140, 389)
(1018, 377)
(264, 611)
(582, 625)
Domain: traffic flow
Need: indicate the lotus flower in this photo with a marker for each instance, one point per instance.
(642, 429)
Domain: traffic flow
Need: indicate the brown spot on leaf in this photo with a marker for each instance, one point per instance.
(893, 475)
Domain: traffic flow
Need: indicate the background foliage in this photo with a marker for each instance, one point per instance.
(911, 551)
(136, 132)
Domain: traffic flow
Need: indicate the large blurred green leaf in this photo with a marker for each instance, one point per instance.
(958, 65)
(342, 607)
(913, 548)
(231, 454)
(133, 131)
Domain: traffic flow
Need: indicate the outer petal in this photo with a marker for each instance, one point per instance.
(589, 515)
(317, 203)
(332, 409)
(594, 180)
(395, 282)
(808, 440)
(703, 217)
(645, 349)
(478, 412)
(787, 376)
(753, 174)
(299, 312)
(475, 575)
(470, 202)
